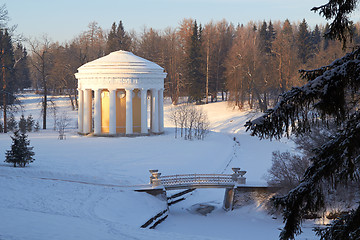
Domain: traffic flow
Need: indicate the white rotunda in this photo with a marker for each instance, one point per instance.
(116, 92)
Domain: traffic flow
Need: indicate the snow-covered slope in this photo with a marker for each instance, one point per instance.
(82, 187)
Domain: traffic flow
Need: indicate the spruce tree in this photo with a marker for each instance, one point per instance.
(331, 94)
(22, 72)
(271, 34)
(117, 39)
(304, 42)
(266, 37)
(7, 82)
(195, 64)
(11, 123)
(30, 123)
(316, 38)
(22, 124)
(112, 44)
(123, 38)
(21, 153)
(326, 40)
(263, 39)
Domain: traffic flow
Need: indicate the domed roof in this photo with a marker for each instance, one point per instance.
(120, 69)
(120, 62)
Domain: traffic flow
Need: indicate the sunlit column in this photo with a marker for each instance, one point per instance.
(129, 112)
(80, 110)
(97, 113)
(112, 112)
(154, 111)
(144, 128)
(161, 110)
(87, 121)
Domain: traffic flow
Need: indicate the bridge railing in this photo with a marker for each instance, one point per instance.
(198, 179)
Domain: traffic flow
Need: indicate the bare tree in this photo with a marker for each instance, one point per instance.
(62, 122)
(285, 58)
(41, 62)
(4, 18)
(172, 64)
(192, 121)
(62, 75)
(287, 170)
(243, 66)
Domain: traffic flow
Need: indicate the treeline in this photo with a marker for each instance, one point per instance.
(248, 64)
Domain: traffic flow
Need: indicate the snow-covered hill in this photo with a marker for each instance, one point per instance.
(82, 187)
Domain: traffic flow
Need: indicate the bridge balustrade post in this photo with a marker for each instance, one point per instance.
(241, 178)
(238, 176)
(154, 178)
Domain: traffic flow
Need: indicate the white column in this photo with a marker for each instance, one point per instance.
(129, 112)
(112, 112)
(80, 110)
(154, 111)
(97, 113)
(144, 128)
(87, 121)
(161, 110)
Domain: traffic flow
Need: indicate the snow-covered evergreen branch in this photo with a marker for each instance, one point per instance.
(336, 161)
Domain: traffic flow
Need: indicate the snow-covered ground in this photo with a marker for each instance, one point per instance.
(82, 187)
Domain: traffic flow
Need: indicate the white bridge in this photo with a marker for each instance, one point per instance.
(185, 181)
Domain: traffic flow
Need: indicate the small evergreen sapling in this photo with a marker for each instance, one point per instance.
(37, 126)
(22, 124)
(12, 124)
(29, 123)
(21, 153)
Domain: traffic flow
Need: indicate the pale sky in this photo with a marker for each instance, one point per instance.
(62, 20)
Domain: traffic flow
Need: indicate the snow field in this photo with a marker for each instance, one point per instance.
(82, 187)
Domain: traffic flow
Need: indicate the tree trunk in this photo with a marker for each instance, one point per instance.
(4, 92)
(45, 91)
(207, 72)
(71, 101)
